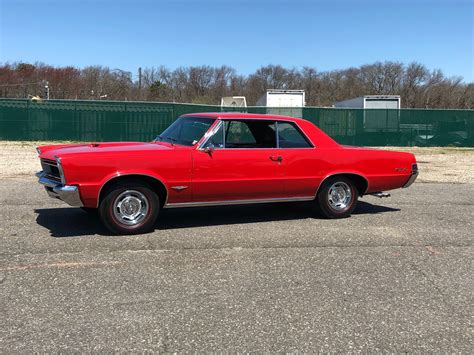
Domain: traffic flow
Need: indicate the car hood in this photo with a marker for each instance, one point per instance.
(51, 151)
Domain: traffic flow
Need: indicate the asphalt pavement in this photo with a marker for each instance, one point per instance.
(394, 277)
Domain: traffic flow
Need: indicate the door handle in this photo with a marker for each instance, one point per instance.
(277, 158)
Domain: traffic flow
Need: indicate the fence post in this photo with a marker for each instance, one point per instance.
(27, 114)
(74, 120)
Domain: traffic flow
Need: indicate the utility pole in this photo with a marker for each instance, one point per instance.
(140, 83)
(46, 87)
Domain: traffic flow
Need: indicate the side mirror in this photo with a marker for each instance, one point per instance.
(209, 149)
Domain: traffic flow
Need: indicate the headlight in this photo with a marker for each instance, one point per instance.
(61, 171)
(38, 151)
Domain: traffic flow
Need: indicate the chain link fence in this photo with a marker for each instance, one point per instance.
(22, 119)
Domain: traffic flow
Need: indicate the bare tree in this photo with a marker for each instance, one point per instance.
(418, 86)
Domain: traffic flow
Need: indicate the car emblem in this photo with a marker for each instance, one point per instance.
(179, 188)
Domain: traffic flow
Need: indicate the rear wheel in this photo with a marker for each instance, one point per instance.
(337, 197)
(129, 208)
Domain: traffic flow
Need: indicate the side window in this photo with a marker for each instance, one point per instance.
(217, 139)
(239, 134)
(250, 134)
(290, 137)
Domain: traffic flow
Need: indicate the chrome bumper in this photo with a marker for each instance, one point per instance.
(66, 193)
(411, 180)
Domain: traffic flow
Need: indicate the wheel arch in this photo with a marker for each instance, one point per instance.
(156, 184)
(360, 181)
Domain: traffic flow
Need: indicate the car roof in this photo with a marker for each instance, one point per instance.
(228, 115)
(310, 129)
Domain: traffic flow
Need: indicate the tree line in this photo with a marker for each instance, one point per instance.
(418, 86)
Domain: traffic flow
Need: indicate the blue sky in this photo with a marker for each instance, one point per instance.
(243, 34)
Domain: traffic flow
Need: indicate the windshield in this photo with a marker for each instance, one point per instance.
(186, 130)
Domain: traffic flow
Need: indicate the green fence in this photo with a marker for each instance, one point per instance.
(142, 121)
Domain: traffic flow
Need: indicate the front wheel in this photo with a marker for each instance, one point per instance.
(129, 208)
(337, 197)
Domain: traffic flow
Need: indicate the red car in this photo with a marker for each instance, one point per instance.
(208, 159)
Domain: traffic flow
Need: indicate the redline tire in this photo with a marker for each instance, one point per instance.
(337, 197)
(129, 208)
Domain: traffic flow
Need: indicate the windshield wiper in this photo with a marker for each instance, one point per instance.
(161, 138)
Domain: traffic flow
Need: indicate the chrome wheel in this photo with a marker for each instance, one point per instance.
(130, 207)
(339, 196)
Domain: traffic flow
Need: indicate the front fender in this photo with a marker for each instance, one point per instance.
(90, 192)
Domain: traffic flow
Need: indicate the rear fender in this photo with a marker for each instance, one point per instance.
(348, 173)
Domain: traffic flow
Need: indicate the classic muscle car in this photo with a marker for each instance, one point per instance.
(207, 159)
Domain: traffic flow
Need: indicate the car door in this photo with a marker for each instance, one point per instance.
(240, 161)
(300, 159)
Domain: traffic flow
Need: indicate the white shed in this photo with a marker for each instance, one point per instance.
(283, 102)
(233, 101)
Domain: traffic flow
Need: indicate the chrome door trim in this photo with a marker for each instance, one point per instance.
(277, 135)
(221, 121)
(237, 202)
(212, 131)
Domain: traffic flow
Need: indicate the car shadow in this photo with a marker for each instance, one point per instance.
(364, 207)
(69, 222)
(74, 222)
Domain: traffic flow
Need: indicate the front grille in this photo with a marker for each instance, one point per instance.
(51, 170)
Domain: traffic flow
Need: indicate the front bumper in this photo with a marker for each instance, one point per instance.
(66, 193)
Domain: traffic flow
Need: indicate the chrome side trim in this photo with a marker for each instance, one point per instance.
(179, 188)
(237, 202)
(380, 194)
(66, 193)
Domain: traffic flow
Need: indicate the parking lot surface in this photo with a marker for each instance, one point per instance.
(396, 276)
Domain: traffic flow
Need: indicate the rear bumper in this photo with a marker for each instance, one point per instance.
(66, 193)
(414, 175)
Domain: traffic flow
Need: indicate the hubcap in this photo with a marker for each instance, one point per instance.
(339, 196)
(130, 207)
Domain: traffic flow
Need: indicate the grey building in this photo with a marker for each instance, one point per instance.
(380, 112)
(372, 101)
